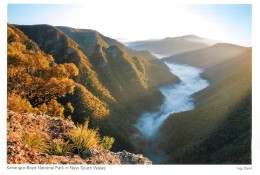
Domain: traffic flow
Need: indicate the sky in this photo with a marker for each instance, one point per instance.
(128, 21)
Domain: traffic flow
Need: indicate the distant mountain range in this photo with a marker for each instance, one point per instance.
(172, 45)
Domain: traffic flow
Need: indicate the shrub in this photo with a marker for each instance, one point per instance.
(84, 138)
(55, 109)
(43, 108)
(60, 148)
(107, 142)
(36, 141)
(19, 104)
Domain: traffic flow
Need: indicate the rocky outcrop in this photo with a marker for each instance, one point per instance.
(19, 152)
(130, 158)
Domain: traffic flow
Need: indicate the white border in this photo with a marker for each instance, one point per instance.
(155, 169)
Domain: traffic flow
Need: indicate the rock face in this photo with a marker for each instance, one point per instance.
(19, 152)
(130, 158)
(95, 156)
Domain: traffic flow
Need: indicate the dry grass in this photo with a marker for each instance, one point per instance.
(59, 147)
(36, 141)
(84, 138)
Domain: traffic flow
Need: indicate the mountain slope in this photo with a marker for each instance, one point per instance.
(111, 83)
(218, 130)
(210, 56)
(87, 39)
(64, 50)
(234, 64)
(122, 70)
(128, 76)
(45, 81)
(172, 46)
(99, 64)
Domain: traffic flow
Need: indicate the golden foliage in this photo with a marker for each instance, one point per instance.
(34, 78)
(55, 109)
(19, 104)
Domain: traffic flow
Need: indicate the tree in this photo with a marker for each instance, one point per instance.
(35, 77)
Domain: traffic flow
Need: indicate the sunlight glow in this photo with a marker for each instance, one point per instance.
(128, 21)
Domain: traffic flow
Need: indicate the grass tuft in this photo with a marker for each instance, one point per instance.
(60, 147)
(84, 138)
(36, 141)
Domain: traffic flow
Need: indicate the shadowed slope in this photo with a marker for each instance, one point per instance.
(134, 75)
(208, 57)
(218, 129)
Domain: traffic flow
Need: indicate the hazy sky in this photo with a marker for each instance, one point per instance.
(128, 21)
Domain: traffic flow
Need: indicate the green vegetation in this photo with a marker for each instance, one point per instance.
(107, 142)
(218, 129)
(85, 105)
(126, 76)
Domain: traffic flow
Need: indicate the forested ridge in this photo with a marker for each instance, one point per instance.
(48, 72)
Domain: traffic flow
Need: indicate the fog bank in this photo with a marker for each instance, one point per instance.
(177, 98)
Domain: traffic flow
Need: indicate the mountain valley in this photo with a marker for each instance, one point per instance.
(201, 88)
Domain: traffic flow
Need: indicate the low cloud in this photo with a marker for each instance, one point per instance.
(178, 98)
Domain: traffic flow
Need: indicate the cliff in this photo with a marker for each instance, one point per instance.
(31, 139)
